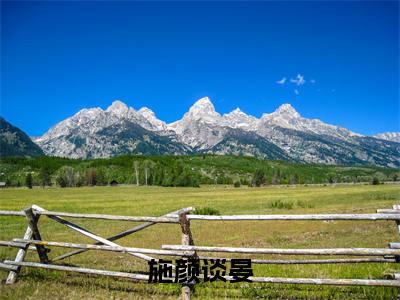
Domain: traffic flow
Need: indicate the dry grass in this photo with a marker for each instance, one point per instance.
(42, 284)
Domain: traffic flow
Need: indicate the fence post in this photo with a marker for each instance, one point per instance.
(12, 276)
(397, 258)
(187, 240)
(32, 222)
(31, 231)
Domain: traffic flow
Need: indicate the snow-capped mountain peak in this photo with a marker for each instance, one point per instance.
(237, 111)
(286, 110)
(87, 113)
(287, 117)
(284, 116)
(202, 110)
(204, 102)
(146, 112)
(118, 108)
(150, 116)
(238, 119)
(202, 107)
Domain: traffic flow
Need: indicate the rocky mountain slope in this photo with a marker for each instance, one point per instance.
(389, 136)
(283, 134)
(14, 142)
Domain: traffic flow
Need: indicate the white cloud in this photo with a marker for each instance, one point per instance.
(282, 81)
(313, 81)
(299, 80)
(296, 91)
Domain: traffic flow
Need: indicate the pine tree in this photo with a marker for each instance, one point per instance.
(258, 178)
(44, 176)
(29, 180)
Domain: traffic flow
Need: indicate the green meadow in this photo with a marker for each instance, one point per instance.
(156, 201)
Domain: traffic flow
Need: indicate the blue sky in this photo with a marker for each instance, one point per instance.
(59, 57)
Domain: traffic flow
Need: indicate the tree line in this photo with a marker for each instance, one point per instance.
(170, 171)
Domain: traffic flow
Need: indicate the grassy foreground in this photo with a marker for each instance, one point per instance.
(155, 201)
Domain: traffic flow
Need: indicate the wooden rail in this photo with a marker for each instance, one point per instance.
(140, 277)
(32, 240)
(332, 251)
(317, 217)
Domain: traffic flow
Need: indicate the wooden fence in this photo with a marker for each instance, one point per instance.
(32, 241)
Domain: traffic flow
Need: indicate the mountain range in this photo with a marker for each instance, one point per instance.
(283, 134)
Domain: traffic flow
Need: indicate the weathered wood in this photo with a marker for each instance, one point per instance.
(92, 235)
(8, 267)
(329, 251)
(188, 249)
(187, 237)
(388, 211)
(13, 244)
(350, 217)
(310, 261)
(111, 217)
(132, 276)
(139, 277)
(187, 240)
(32, 223)
(394, 245)
(320, 281)
(12, 213)
(12, 276)
(384, 214)
(124, 233)
(87, 233)
(19, 242)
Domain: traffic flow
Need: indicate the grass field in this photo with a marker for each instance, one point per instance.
(155, 201)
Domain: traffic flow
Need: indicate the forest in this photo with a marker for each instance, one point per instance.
(181, 171)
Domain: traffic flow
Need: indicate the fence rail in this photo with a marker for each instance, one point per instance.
(32, 241)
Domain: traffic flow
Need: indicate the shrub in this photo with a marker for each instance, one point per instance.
(304, 204)
(278, 204)
(375, 181)
(207, 211)
(65, 176)
(236, 184)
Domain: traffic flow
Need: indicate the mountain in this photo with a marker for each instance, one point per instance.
(314, 141)
(283, 135)
(389, 136)
(15, 142)
(287, 117)
(241, 143)
(95, 133)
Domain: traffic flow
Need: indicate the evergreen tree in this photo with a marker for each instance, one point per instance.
(258, 178)
(29, 180)
(44, 176)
